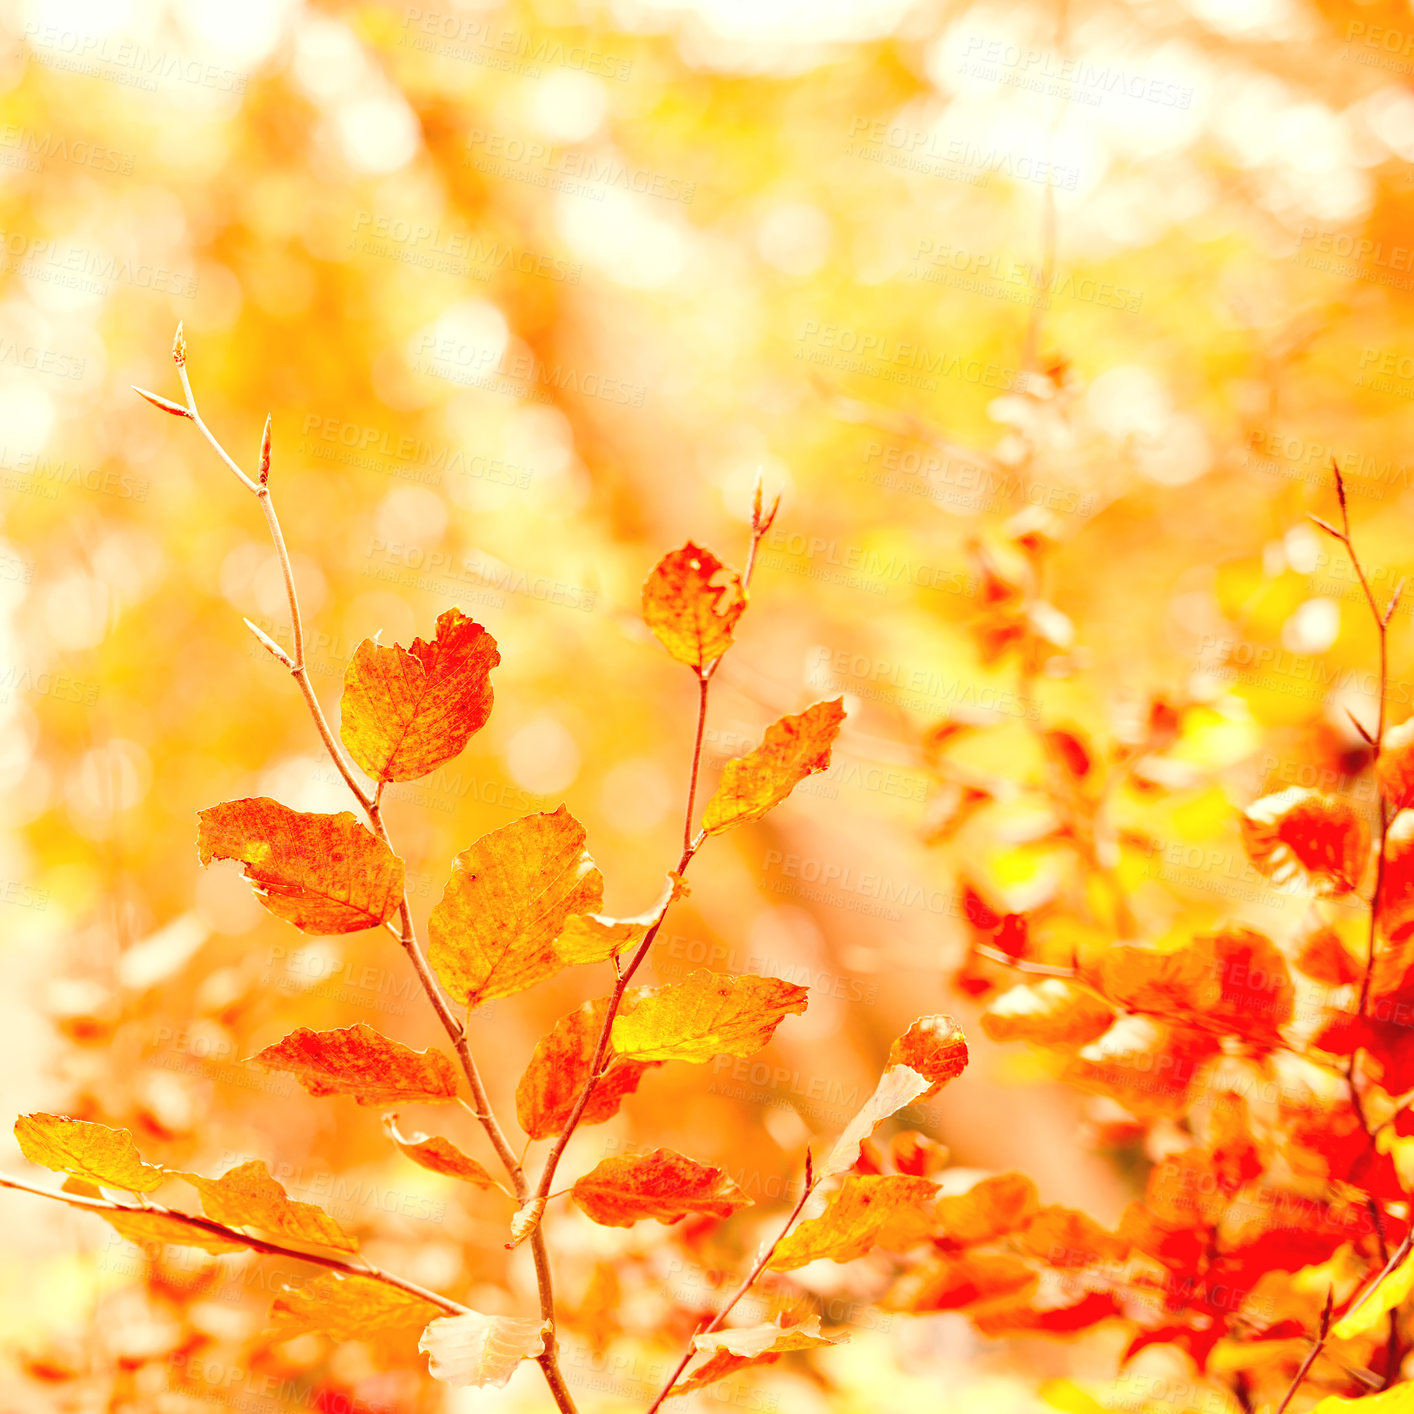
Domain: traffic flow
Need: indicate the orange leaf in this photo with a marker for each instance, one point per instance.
(593, 937)
(692, 602)
(1395, 767)
(794, 748)
(494, 931)
(887, 1210)
(1066, 1239)
(1397, 886)
(323, 873)
(708, 1014)
(94, 1152)
(898, 1086)
(664, 1185)
(146, 1228)
(1145, 1065)
(1300, 833)
(559, 1067)
(246, 1196)
(958, 1281)
(751, 1345)
(1053, 1012)
(473, 1349)
(407, 710)
(438, 1155)
(988, 1210)
(348, 1308)
(935, 1047)
(359, 1061)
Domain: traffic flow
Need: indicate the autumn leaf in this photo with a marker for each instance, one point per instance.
(94, 1152)
(692, 602)
(962, 1281)
(348, 1307)
(147, 1228)
(935, 1047)
(359, 1061)
(1052, 1012)
(898, 1086)
(1397, 1400)
(405, 711)
(664, 1185)
(595, 937)
(991, 1208)
(473, 1349)
(1390, 1291)
(1302, 834)
(560, 1066)
(708, 1014)
(739, 1349)
(1065, 1238)
(323, 873)
(794, 748)
(493, 933)
(247, 1196)
(868, 1210)
(438, 1155)
(1397, 886)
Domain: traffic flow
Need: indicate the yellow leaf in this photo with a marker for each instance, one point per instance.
(494, 931)
(751, 1345)
(146, 1228)
(1392, 1291)
(247, 1196)
(479, 1350)
(692, 602)
(107, 1157)
(868, 1210)
(592, 937)
(794, 747)
(708, 1014)
(438, 1155)
(1399, 1400)
(405, 711)
(348, 1308)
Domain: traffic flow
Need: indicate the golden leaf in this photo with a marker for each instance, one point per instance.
(494, 931)
(247, 1196)
(405, 711)
(708, 1014)
(104, 1156)
(794, 747)
(438, 1155)
(867, 1210)
(751, 1345)
(664, 1185)
(692, 601)
(348, 1307)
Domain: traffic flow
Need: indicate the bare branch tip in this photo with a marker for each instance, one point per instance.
(265, 452)
(179, 346)
(270, 645)
(1355, 722)
(158, 401)
(1326, 526)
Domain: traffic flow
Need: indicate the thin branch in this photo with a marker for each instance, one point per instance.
(407, 937)
(751, 1278)
(1312, 1356)
(263, 1245)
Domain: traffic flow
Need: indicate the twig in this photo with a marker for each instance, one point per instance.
(751, 1278)
(372, 807)
(263, 1245)
(1312, 1356)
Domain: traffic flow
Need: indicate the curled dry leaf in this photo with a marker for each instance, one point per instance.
(406, 711)
(323, 873)
(438, 1155)
(708, 1014)
(526, 1220)
(247, 1196)
(894, 1211)
(594, 937)
(93, 1152)
(794, 748)
(359, 1061)
(935, 1047)
(1052, 1012)
(735, 1350)
(493, 933)
(473, 1349)
(692, 602)
(348, 1307)
(1301, 834)
(664, 1185)
(560, 1066)
(898, 1086)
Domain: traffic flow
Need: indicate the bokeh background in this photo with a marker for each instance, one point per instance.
(1045, 320)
